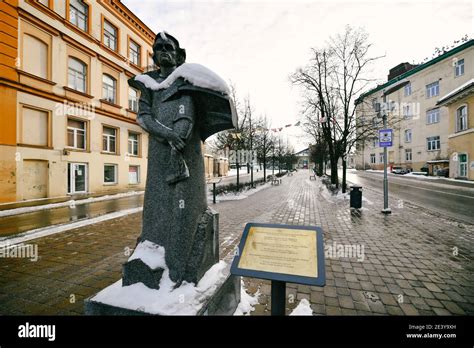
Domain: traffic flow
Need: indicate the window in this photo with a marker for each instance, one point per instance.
(408, 155)
(110, 35)
(150, 62)
(459, 67)
(78, 13)
(34, 127)
(407, 89)
(408, 136)
(433, 143)
(133, 175)
(109, 139)
(76, 134)
(372, 158)
(381, 157)
(461, 118)
(77, 75)
(37, 63)
(134, 53)
(432, 116)
(133, 144)
(109, 88)
(407, 111)
(432, 89)
(133, 99)
(374, 142)
(110, 174)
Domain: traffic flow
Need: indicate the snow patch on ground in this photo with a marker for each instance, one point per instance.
(303, 308)
(47, 231)
(187, 299)
(71, 202)
(231, 196)
(247, 302)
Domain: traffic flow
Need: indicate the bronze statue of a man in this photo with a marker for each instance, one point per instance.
(180, 106)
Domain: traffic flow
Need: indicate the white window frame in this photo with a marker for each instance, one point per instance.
(408, 135)
(432, 89)
(76, 16)
(133, 100)
(115, 173)
(134, 55)
(408, 155)
(432, 116)
(372, 158)
(462, 116)
(459, 68)
(109, 91)
(76, 132)
(110, 35)
(138, 175)
(381, 156)
(77, 80)
(434, 142)
(108, 140)
(132, 143)
(407, 89)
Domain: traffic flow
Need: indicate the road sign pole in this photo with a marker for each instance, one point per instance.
(278, 297)
(386, 209)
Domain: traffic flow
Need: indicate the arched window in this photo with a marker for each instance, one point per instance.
(77, 75)
(461, 118)
(37, 63)
(109, 88)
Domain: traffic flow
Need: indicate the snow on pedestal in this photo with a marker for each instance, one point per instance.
(187, 299)
(303, 308)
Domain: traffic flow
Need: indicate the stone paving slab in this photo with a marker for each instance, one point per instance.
(408, 267)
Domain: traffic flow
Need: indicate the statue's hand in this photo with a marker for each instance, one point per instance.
(175, 141)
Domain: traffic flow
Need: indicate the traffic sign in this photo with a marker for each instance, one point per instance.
(385, 137)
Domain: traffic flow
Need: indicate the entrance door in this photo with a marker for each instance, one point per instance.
(77, 178)
(463, 165)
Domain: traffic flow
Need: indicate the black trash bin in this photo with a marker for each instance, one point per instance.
(356, 197)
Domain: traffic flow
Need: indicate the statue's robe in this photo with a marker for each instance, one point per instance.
(172, 211)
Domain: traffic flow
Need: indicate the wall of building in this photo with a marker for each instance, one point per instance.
(442, 71)
(462, 142)
(27, 84)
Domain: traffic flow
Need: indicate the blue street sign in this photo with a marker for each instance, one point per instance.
(385, 137)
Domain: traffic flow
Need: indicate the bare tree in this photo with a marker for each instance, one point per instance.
(331, 82)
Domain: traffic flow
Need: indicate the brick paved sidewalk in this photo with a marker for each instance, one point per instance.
(408, 267)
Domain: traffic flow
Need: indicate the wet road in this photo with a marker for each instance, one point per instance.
(15, 224)
(447, 199)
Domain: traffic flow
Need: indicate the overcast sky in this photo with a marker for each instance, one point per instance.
(258, 44)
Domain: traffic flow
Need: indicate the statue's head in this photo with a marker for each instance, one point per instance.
(166, 51)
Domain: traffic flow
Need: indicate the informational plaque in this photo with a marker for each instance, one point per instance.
(286, 253)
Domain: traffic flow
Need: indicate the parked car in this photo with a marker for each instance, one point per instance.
(399, 170)
(443, 172)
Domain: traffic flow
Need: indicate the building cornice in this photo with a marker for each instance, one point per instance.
(419, 68)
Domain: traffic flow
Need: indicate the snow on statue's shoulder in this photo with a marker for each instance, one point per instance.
(196, 74)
